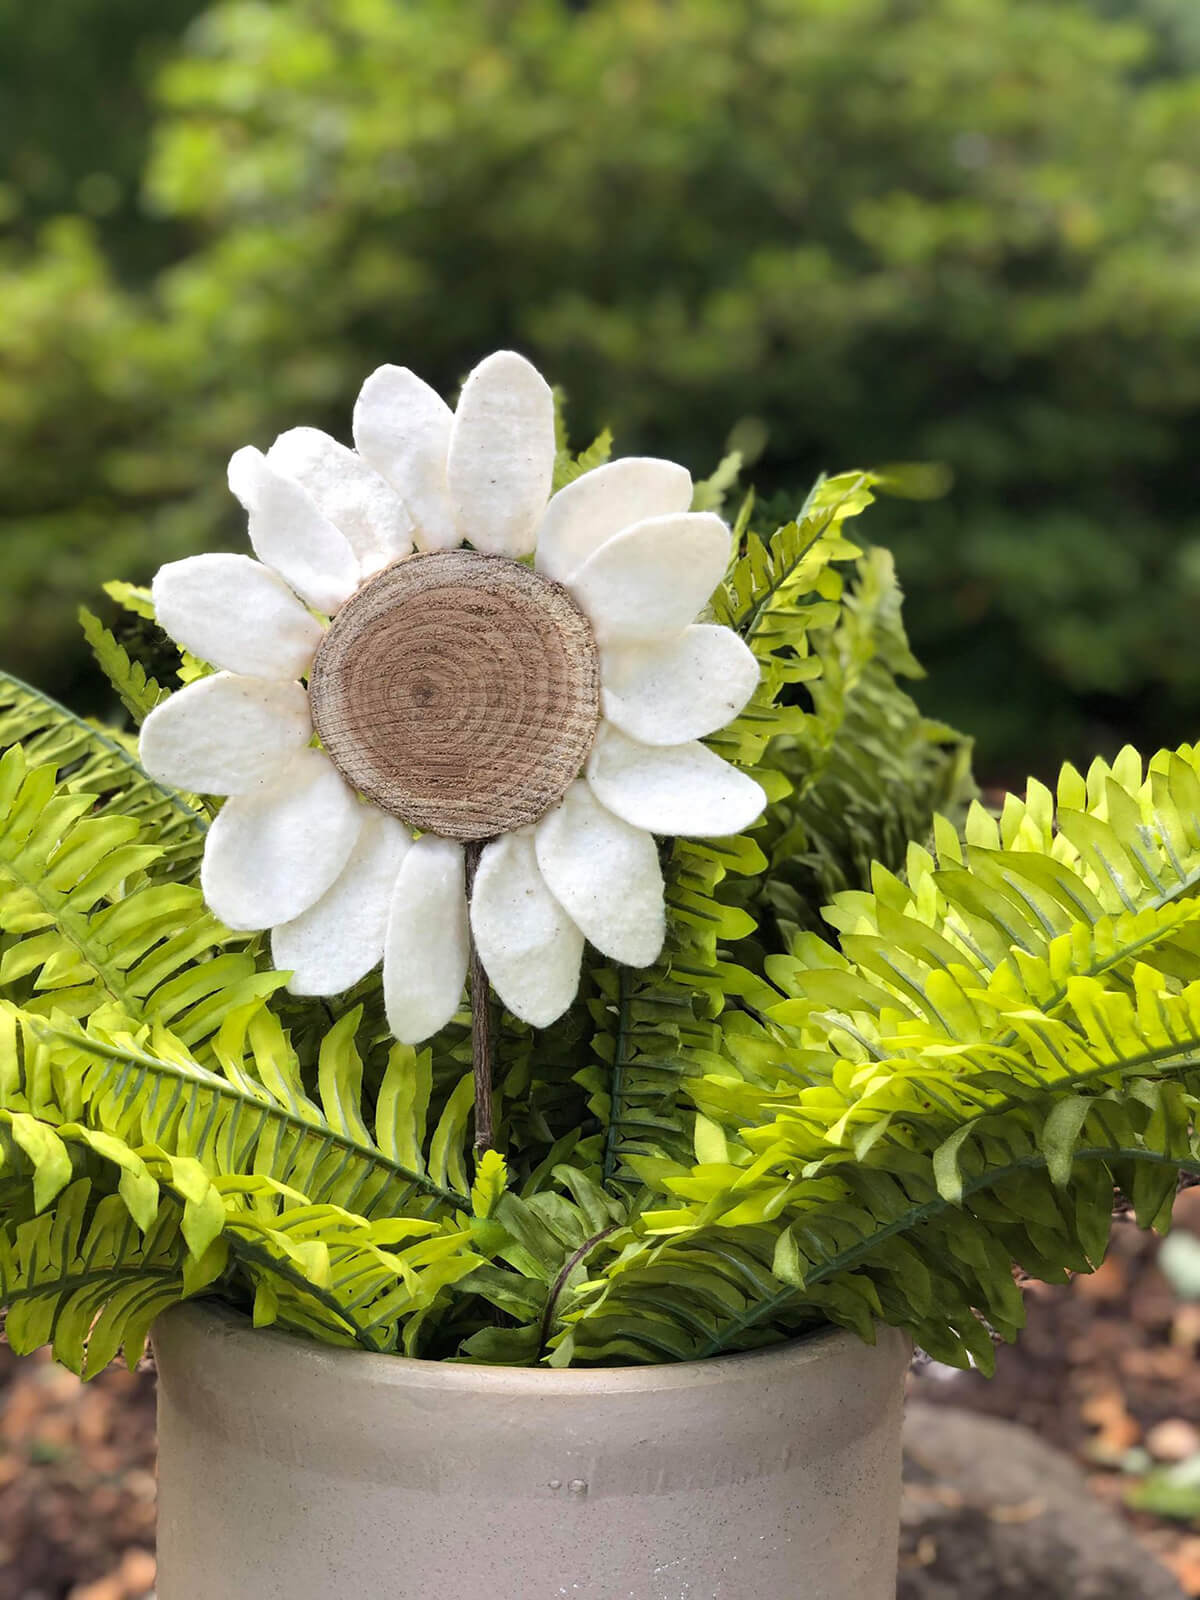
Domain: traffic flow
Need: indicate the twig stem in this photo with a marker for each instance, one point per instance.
(481, 1026)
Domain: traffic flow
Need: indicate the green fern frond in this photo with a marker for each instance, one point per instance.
(635, 1312)
(176, 1229)
(253, 1112)
(653, 1027)
(782, 647)
(541, 1107)
(770, 577)
(786, 596)
(136, 690)
(864, 1244)
(773, 1132)
(1002, 1038)
(540, 1248)
(567, 465)
(868, 773)
(84, 1280)
(91, 914)
(317, 1269)
(100, 761)
(135, 598)
(711, 493)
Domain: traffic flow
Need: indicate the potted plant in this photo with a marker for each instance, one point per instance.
(539, 1102)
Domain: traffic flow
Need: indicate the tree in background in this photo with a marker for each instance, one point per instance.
(846, 230)
(75, 113)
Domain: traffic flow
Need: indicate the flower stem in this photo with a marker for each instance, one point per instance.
(482, 1046)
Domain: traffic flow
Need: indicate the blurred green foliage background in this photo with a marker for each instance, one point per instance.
(830, 232)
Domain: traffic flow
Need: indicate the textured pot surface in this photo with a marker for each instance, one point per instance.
(288, 1469)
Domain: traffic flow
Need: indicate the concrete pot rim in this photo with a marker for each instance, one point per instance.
(211, 1320)
(293, 1471)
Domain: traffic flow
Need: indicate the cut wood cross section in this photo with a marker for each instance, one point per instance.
(460, 692)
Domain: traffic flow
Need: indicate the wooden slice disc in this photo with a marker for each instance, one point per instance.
(459, 692)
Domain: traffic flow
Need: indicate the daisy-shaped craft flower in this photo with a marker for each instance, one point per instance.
(400, 696)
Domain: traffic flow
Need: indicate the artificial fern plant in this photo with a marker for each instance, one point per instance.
(894, 1043)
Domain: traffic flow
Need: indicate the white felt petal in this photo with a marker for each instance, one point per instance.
(501, 460)
(402, 428)
(605, 874)
(651, 580)
(427, 944)
(226, 734)
(339, 939)
(291, 535)
(528, 944)
(349, 492)
(236, 613)
(604, 502)
(683, 788)
(273, 853)
(670, 693)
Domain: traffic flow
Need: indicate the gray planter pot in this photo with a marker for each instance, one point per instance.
(291, 1471)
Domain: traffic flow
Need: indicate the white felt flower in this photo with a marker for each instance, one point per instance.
(537, 724)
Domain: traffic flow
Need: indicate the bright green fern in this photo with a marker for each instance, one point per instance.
(892, 1045)
(1007, 1031)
